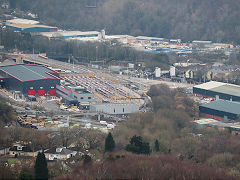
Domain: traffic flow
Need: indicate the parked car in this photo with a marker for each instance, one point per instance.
(27, 108)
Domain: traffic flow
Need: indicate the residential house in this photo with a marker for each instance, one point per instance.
(189, 74)
(4, 151)
(23, 150)
(218, 74)
(59, 153)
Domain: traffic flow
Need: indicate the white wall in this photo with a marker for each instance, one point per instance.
(110, 108)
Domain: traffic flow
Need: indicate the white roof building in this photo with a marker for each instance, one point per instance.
(21, 21)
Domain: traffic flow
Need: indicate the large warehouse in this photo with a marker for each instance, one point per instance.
(28, 28)
(70, 34)
(114, 108)
(29, 79)
(217, 90)
(220, 110)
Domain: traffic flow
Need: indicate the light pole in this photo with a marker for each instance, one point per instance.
(96, 53)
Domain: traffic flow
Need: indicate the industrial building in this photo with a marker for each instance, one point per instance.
(72, 94)
(218, 90)
(234, 127)
(30, 28)
(152, 39)
(29, 79)
(115, 109)
(201, 42)
(21, 21)
(71, 34)
(220, 110)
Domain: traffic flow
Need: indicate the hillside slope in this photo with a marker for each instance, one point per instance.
(185, 19)
(7, 114)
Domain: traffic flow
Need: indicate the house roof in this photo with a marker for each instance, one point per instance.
(224, 106)
(64, 151)
(25, 72)
(26, 148)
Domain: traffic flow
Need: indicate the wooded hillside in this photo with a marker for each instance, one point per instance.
(7, 113)
(185, 19)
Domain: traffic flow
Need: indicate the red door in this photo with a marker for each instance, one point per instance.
(31, 92)
(41, 92)
(52, 92)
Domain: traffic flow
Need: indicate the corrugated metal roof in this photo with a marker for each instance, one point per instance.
(230, 89)
(223, 105)
(22, 21)
(25, 72)
(149, 38)
(214, 122)
(25, 26)
(68, 33)
(206, 42)
(209, 85)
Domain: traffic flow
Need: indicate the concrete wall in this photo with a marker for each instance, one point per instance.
(114, 109)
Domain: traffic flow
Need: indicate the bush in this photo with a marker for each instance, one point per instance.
(138, 146)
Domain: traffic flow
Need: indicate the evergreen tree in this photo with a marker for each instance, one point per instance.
(138, 146)
(86, 159)
(109, 143)
(156, 146)
(41, 170)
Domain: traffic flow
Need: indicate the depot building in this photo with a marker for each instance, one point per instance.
(220, 110)
(218, 90)
(29, 79)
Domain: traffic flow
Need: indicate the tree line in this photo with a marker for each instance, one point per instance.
(80, 52)
(84, 52)
(146, 167)
(170, 130)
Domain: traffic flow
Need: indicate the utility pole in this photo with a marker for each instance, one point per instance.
(69, 59)
(68, 121)
(73, 65)
(96, 53)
